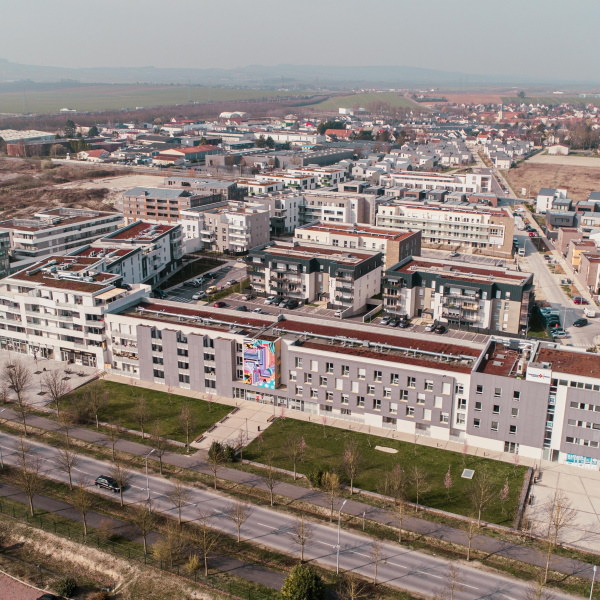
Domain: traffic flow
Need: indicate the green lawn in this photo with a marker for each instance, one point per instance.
(394, 99)
(162, 408)
(325, 447)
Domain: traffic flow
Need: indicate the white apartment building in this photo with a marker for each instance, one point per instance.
(57, 230)
(56, 309)
(478, 181)
(325, 176)
(284, 210)
(298, 181)
(228, 227)
(486, 230)
(546, 198)
(257, 187)
(332, 207)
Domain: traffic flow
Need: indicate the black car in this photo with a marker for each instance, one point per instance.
(403, 323)
(580, 322)
(160, 294)
(242, 308)
(393, 322)
(104, 481)
(440, 329)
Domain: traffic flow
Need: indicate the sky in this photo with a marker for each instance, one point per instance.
(551, 39)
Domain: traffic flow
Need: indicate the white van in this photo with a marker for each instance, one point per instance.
(521, 251)
(589, 312)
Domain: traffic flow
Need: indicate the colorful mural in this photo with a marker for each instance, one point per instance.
(260, 363)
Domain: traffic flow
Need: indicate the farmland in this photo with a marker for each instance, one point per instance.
(120, 96)
(363, 100)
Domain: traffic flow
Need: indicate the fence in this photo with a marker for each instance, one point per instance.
(237, 590)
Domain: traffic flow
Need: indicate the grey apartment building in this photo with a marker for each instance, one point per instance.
(519, 396)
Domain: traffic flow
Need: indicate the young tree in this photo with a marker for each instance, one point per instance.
(504, 495)
(295, 450)
(270, 480)
(238, 513)
(141, 413)
(472, 529)
(330, 482)
(83, 502)
(448, 482)
(376, 556)
(394, 483)
(351, 461)
(187, 422)
(301, 534)
(67, 460)
(216, 458)
(537, 590)
(453, 585)
(420, 483)
(122, 477)
(17, 377)
(56, 386)
(303, 583)
(96, 399)
(556, 516)
(400, 507)
(159, 443)
(144, 519)
(28, 478)
(206, 538)
(352, 587)
(170, 545)
(179, 495)
(482, 492)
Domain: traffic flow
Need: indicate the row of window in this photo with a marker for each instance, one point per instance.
(496, 408)
(512, 429)
(582, 442)
(479, 389)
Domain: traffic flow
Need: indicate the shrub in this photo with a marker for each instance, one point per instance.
(66, 586)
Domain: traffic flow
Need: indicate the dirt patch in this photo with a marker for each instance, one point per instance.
(579, 181)
(570, 160)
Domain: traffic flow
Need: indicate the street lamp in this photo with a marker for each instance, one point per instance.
(147, 479)
(593, 580)
(337, 560)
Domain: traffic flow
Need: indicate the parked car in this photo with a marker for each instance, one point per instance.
(440, 329)
(454, 254)
(589, 312)
(559, 333)
(249, 296)
(160, 294)
(199, 295)
(220, 304)
(272, 300)
(393, 322)
(240, 259)
(259, 311)
(385, 320)
(242, 308)
(580, 322)
(532, 234)
(431, 326)
(104, 481)
(232, 282)
(212, 289)
(403, 323)
(579, 300)
(288, 303)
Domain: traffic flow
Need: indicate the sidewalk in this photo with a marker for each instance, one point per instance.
(197, 462)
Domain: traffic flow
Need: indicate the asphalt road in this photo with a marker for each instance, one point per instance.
(395, 565)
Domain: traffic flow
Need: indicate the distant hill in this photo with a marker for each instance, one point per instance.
(279, 76)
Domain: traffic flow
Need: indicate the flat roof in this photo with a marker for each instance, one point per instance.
(499, 212)
(359, 230)
(58, 217)
(140, 232)
(586, 364)
(342, 255)
(499, 360)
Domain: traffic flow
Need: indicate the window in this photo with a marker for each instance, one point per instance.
(362, 373)
(377, 376)
(460, 418)
(183, 365)
(462, 403)
(494, 426)
(376, 404)
(394, 378)
(411, 382)
(444, 417)
(159, 374)
(184, 378)
(429, 385)
(345, 370)
(370, 389)
(477, 405)
(292, 376)
(514, 412)
(328, 367)
(497, 392)
(459, 388)
(323, 381)
(360, 400)
(182, 352)
(512, 429)
(476, 423)
(516, 395)
(479, 389)
(307, 377)
(298, 362)
(354, 387)
(299, 390)
(339, 384)
(314, 365)
(427, 414)
(344, 399)
(403, 394)
(314, 393)
(496, 409)
(420, 398)
(329, 396)
(410, 411)
(393, 407)
(387, 392)
(446, 387)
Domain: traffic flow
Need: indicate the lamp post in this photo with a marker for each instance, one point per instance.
(147, 478)
(337, 559)
(593, 581)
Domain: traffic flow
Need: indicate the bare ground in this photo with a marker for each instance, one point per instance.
(579, 181)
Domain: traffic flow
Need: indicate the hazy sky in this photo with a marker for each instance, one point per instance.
(542, 38)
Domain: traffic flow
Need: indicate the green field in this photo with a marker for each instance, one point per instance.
(163, 409)
(121, 96)
(555, 99)
(325, 447)
(365, 99)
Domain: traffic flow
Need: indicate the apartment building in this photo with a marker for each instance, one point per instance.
(228, 190)
(332, 207)
(161, 250)
(324, 176)
(284, 210)
(56, 230)
(56, 309)
(459, 294)
(547, 197)
(255, 187)
(227, 227)
(161, 205)
(484, 230)
(393, 244)
(479, 181)
(308, 273)
(524, 397)
(297, 181)
(4, 253)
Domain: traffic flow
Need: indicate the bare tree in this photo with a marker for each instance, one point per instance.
(17, 377)
(537, 590)
(504, 495)
(187, 422)
(330, 483)
(238, 513)
(65, 419)
(376, 556)
(401, 507)
(113, 436)
(83, 502)
(295, 451)
(179, 495)
(472, 529)
(270, 480)
(122, 477)
(448, 482)
(482, 493)
(556, 516)
(144, 520)
(67, 460)
(216, 458)
(301, 532)
(241, 441)
(206, 538)
(351, 461)
(420, 483)
(159, 443)
(28, 478)
(352, 587)
(170, 545)
(141, 413)
(96, 400)
(453, 585)
(56, 386)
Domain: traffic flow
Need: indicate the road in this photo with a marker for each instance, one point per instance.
(388, 563)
